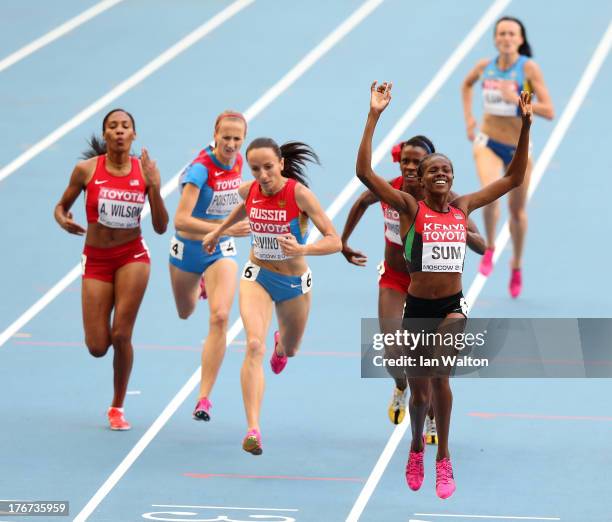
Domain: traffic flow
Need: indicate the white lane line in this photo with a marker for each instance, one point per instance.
(494, 517)
(136, 78)
(170, 186)
(56, 33)
(427, 94)
(359, 15)
(557, 135)
(224, 507)
(568, 114)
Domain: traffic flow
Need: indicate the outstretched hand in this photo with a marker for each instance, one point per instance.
(526, 107)
(380, 96)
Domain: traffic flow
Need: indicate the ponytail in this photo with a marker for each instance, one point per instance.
(295, 155)
(96, 147)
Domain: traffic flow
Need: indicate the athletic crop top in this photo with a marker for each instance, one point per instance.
(115, 201)
(218, 184)
(436, 240)
(391, 217)
(491, 87)
(273, 216)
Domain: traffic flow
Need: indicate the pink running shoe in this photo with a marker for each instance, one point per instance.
(486, 263)
(203, 294)
(117, 420)
(252, 442)
(277, 363)
(202, 410)
(445, 482)
(415, 471)
(516, 282)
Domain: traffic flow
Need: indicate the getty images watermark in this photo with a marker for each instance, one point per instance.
(486, 348)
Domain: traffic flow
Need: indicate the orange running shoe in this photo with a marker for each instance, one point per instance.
(117, 420)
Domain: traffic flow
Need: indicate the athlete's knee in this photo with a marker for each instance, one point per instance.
(121, 337)
(97, 347)
(184, 312)
(518, 215)
(440, 383)
(219, 318)
(255, 348)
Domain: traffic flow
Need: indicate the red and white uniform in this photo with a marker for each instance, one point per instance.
(388, 277)
(436, 241)
(274, 216)
(115, 202)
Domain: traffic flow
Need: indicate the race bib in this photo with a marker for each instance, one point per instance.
(176, 248)
(307, 282)
(443, 257)
(494, 102)
(250, 272)
(228, 247)
(119, 208)
(267, 248)
(83, 263)
(223, 202)
(392, 226)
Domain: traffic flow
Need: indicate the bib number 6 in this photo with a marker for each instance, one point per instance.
(250, 272)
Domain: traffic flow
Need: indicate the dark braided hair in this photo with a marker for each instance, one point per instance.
(295, 153)
(97, 145)
(416, 141)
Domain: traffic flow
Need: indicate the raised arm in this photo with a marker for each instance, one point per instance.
(467, 92)
(475, 241)
(354, 216)
(516, 170)
(62, 213)
(401, 201)
(150, 172)
(330, 241)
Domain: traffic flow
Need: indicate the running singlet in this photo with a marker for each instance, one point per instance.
(436, 240)
(218, 184)
(274, 216)
(492, 78)
(115, 201)
(391, 217)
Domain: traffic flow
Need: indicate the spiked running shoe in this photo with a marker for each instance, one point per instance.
(277, 362)
(415, 470)
(252, 442)
(516, 283)
(117, 420)
(486, 263)
(397, 406)
(431, 433)
(202, 410)
(445, 482)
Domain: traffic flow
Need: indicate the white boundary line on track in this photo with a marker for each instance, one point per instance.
(320, 50)
(557, 135)
(550, 148)
(496, 517)
(136, 78)
(224, 507)
(56, 33)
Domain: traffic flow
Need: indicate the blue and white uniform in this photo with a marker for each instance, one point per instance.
(494, 103)
(218, 196)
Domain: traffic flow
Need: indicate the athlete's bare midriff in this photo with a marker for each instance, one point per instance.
(504, 129)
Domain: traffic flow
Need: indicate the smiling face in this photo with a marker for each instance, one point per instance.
(410, 158)
(119, 132)
(508, 37)
(229, 136)
(266, 167)
(436, 174)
